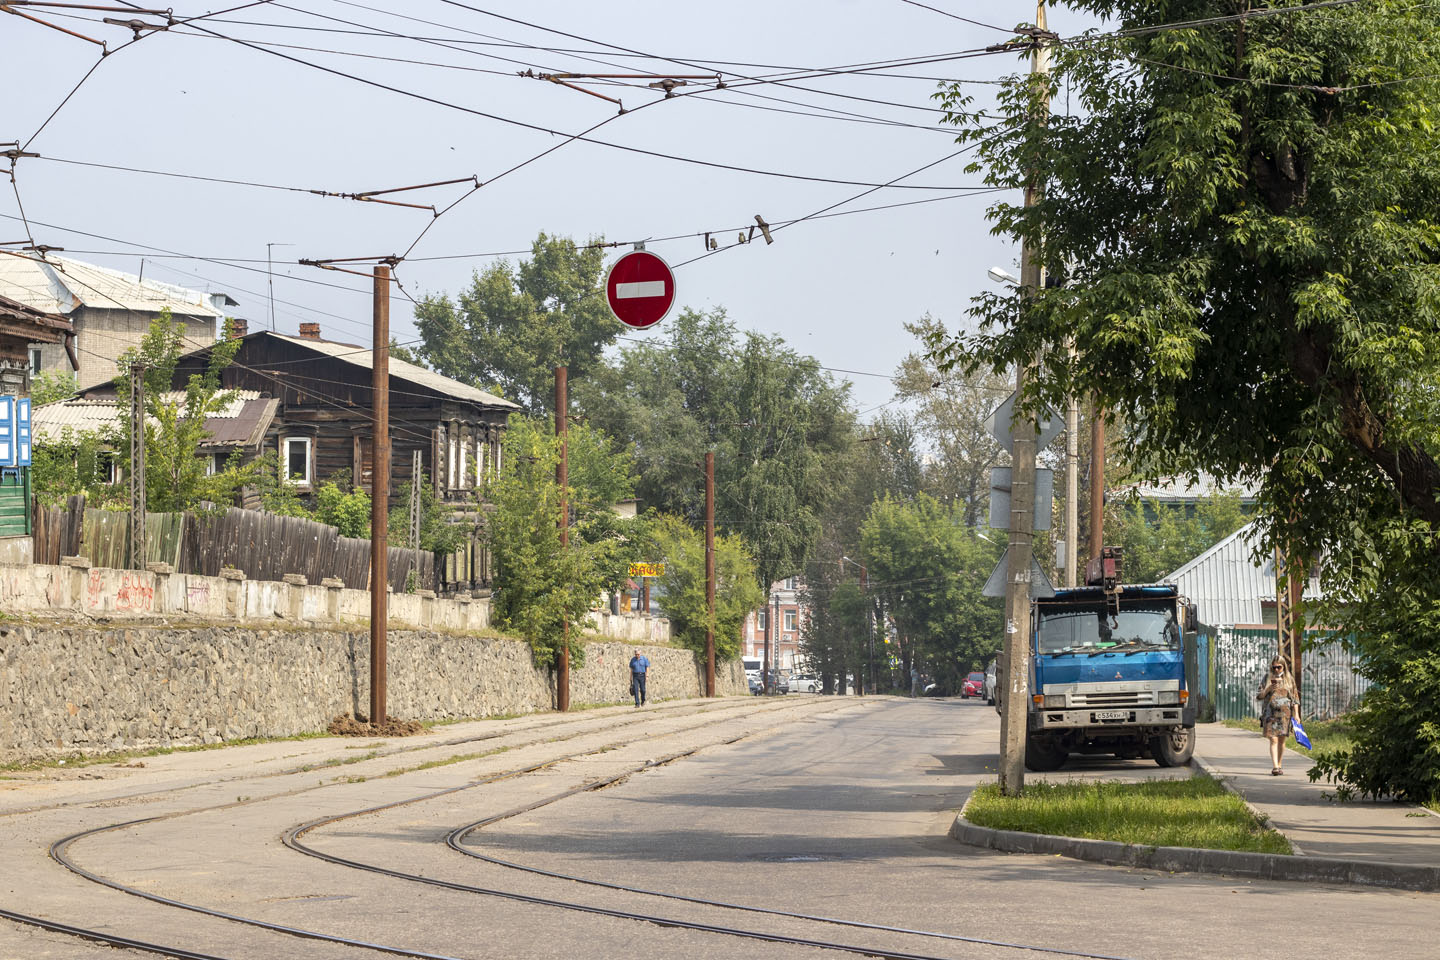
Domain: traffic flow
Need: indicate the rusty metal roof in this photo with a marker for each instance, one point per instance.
(242, 422)
(60, 285)
(399, 369)
(41, 326)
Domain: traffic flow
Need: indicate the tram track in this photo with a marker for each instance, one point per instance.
(59, 850)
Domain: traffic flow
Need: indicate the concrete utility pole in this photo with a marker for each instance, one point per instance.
(1289, 624)
(710, 573)
(562, 478)
(765, 656)
(1097, 480)
(1072, 487)
(380, 494)
(1015, 704)
(137, 466)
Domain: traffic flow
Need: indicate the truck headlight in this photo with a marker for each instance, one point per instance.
(1054, 701)
(1167, 698)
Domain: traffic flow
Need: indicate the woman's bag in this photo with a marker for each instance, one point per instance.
(1300, 736)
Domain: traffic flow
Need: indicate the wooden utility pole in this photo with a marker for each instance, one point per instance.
(562, 479)
(1097, 481)
(1016, 701)
(137, 466)
(709, 573)
(380, 494)
(1290, 624)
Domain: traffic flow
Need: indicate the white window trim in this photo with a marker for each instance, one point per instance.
(37, 361)
(790, 620)
(285, 461)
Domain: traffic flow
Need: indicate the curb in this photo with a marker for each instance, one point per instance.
(1231, 863)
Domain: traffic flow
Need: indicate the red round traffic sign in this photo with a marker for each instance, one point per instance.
(640, 288)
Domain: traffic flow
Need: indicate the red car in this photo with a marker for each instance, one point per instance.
(974, 685)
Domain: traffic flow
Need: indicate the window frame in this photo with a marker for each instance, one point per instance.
(791, 618)
(289, 478)
(37, 361)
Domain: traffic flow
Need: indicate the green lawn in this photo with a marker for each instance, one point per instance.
(1324, 734)
(1198, 812)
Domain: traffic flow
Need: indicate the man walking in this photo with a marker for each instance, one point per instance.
(639, 666)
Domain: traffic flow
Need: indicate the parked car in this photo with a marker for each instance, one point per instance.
(805, 683)
(988, 691)
(974, 685)
(755, 686)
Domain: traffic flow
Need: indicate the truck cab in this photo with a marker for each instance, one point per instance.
(1108, 675)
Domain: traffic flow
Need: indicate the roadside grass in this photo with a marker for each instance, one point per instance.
(1327, 735)
(1198, 812)
(122, 756)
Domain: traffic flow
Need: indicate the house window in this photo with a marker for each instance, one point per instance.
(465, 478)
(764, 621)
(790, 583)
(789, 619)
(34, 361)
(296, 454)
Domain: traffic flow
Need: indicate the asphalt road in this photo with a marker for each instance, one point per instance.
(822, 806)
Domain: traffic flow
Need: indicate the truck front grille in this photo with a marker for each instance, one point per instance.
(1132, 698)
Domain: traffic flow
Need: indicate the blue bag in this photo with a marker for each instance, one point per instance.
(1300, 735)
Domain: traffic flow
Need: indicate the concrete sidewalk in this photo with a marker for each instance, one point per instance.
(1383, 832)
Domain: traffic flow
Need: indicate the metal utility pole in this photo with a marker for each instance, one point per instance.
(562, 478)
(709, 573)
(412, 529)
(765, 658)
(380, 494)
(270, 276)
(137, 466)
(1015, 703)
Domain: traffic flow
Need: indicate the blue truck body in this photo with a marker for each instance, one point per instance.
(1108, 675)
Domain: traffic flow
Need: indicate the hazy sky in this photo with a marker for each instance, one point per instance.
(838, 288)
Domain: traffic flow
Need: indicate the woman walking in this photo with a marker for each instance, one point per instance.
(1280, 698)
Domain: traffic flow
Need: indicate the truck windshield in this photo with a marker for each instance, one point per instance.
(1088, 628)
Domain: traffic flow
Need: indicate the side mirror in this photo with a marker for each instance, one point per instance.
(1192, 617)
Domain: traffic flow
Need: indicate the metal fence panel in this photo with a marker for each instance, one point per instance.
(1330, 682)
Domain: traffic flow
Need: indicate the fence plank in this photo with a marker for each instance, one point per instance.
(1330, 681)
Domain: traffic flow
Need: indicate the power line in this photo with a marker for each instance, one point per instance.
(955, 16)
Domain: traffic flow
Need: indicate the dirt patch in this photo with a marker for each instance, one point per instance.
(346, 725)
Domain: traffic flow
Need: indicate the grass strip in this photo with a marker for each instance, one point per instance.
(78, 759)
(1325, 735)
(1198, 812)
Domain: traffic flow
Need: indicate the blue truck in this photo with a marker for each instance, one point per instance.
(1108, 671)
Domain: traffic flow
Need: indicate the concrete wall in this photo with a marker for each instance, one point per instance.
(77, 590)
(65, 689)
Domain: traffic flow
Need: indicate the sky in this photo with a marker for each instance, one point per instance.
(231, 107)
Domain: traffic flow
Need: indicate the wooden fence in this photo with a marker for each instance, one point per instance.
(264, 545)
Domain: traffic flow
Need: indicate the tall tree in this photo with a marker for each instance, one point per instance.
(517, 323)
(950, 413)
(776, 421)
(682, 586)
(1247, 209)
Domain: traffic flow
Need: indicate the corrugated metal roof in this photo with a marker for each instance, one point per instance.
(365, 359)
(1228, 585)
(242, 421)
(60, 285)
(1182, 489)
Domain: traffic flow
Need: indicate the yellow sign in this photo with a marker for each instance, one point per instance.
(647, 569)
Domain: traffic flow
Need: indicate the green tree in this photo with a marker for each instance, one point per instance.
(1247, 214)
(775, 420)
(1159, 539)
(342, 506)
(53, 385)
(77, 463)
(682, 586)
(516, 324)
(540, 588)
(177, 476)
(927, 572)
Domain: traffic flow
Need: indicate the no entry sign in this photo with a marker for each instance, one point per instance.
(640, 288)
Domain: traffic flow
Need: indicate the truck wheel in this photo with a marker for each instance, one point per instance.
(1042, 756)
(1173, 749)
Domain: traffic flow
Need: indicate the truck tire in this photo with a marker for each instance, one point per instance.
(1041, 756)
(1175, 748)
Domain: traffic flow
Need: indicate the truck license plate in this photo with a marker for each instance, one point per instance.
(1103, 715)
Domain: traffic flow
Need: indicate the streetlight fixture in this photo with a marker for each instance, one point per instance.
(1001, 275)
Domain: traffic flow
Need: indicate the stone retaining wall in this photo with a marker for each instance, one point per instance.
(66, 689)
(76, 589)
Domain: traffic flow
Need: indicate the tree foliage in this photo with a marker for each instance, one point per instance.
(1159, 538)
(926, 572)
(682, 586)
(776, 422)
(1247, 214)
(53, 385)
(517, 323)
(541, 589)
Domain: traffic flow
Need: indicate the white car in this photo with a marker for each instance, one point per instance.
(805, 683)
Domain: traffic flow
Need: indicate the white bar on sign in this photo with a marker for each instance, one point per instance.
(644, 288)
